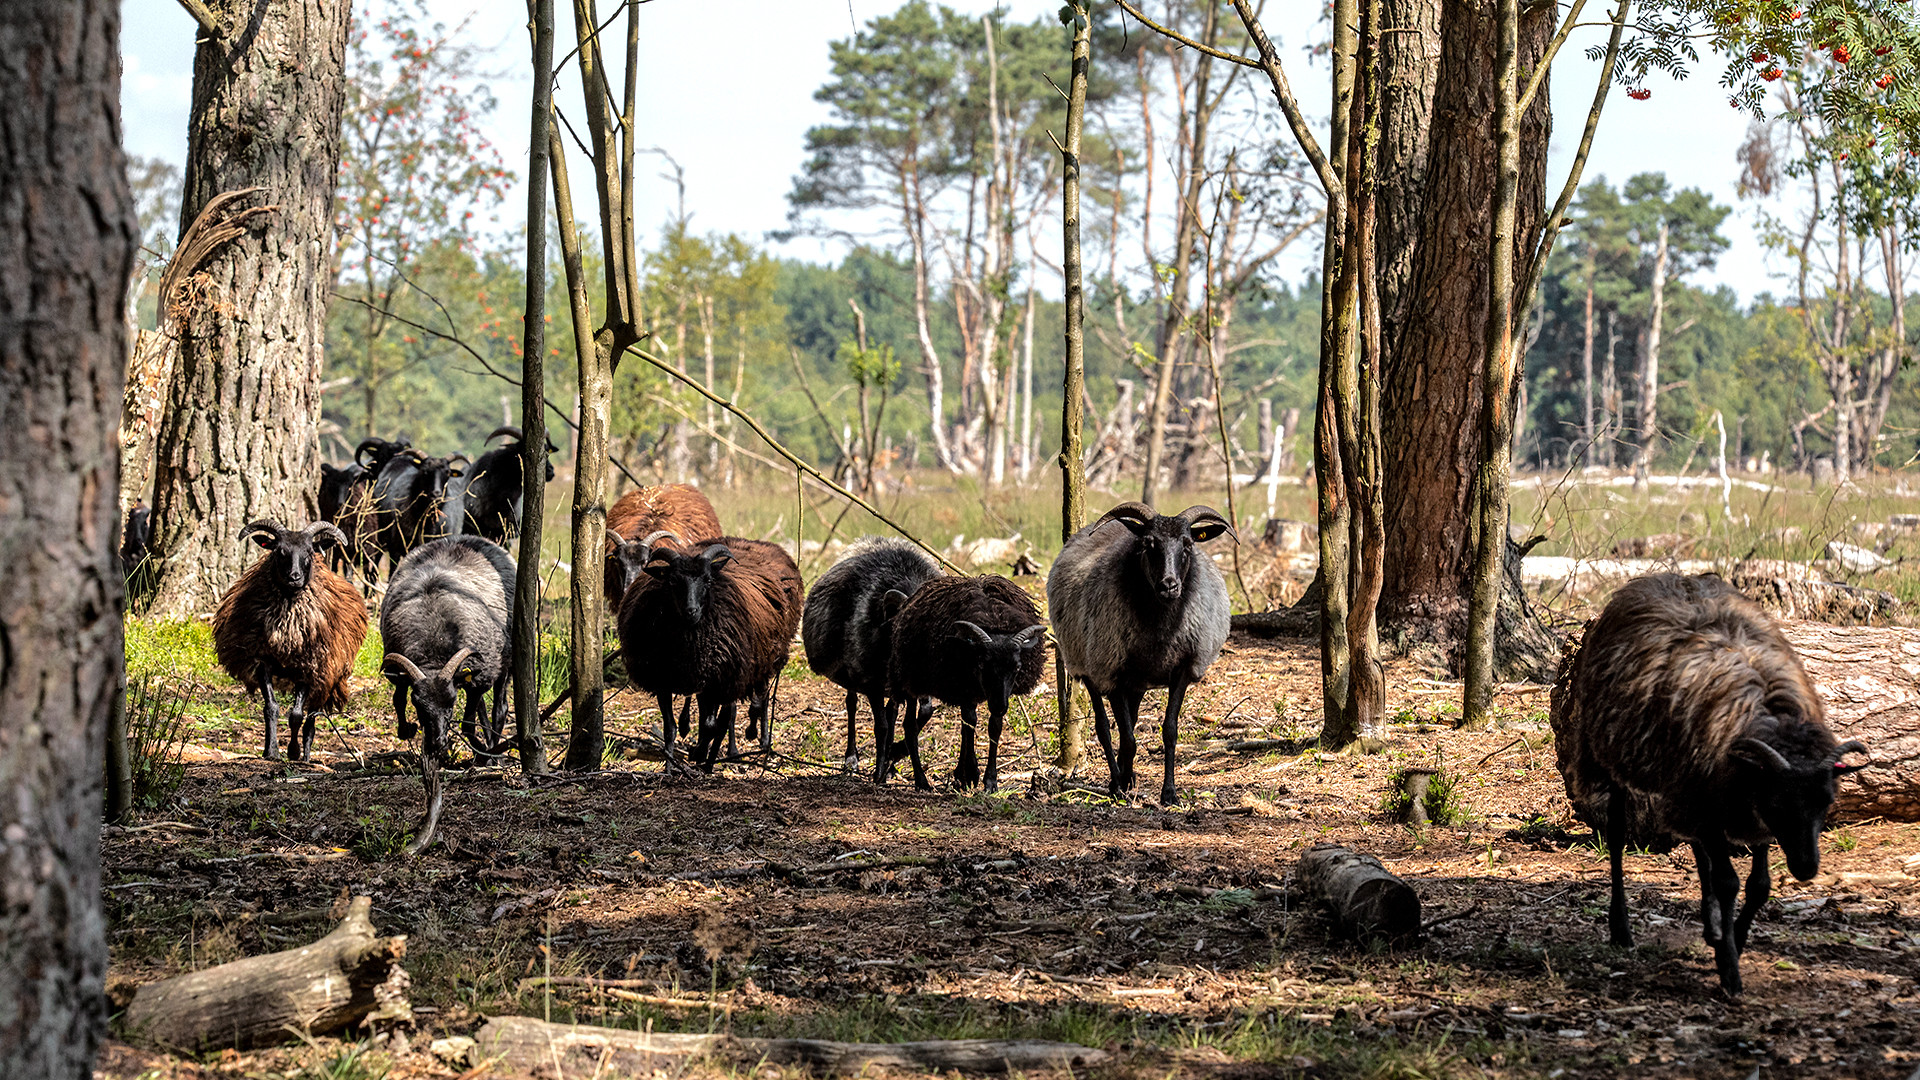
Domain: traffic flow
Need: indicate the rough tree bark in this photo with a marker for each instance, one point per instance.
(1410, 64)
(67, 226)
(1869, 678)
(1431, 399)
(533, 416)
(1364, 900)
(239, 442)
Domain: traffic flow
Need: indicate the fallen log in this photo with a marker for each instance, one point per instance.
(339, 982)
(1869, 679)
(1366, 901)
(519, 1045)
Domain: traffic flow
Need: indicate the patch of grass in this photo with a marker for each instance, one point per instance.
(373, 651)
(156, 739)
(383, 835)
(1444, 802)
(1843, 840)
(355, 1062)
(173, 649)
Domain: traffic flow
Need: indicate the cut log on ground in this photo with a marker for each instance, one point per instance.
(1869, 678)
(339, 982)
(1365, 900)
(519, 1044)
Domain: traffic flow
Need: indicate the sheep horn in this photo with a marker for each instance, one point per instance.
(413, 672)
(677, 538)
(1760, 753)
(614, 537)
(1204, 523)
(365, 445)
(259, 529)
(1136, 516)
(716, 553)
(1027, 638)
(979, 635)
(326, 528)
(504, 429)
(1851, 746)
(453, 665)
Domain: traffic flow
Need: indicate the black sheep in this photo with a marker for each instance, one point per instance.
(848, 629)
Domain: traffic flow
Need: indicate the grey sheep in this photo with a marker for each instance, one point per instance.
(847, 628)
(1686, 695)
(450, 597)
(1134, 607)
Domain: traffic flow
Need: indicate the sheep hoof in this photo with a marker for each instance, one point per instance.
(850, 764)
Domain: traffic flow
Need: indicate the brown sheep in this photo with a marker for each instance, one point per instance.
(291, 620)
(635, 524)
(1685, 695)
(716, 623)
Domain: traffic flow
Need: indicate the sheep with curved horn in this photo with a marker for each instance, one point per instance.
(291, 621)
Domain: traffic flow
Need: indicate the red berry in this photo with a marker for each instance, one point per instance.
(1771, 74)
(1883, 50)
(1759, 56)
(1640, 94)
(1841, 55)
(1884, 81)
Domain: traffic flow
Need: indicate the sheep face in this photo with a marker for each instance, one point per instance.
(290, 552)
(628, 559)
(434, 695)
(1791, 800)
(998, 658)
(689, 578)
(1163, 549)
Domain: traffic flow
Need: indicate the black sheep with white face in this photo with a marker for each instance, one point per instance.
(967, 641)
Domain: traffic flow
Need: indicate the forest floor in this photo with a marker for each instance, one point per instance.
(1042, 911)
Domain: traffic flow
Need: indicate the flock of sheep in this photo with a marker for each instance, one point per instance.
(1683, 698)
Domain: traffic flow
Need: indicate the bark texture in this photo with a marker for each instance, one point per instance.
(239, 442)
(525, 1044)
(67, 226)
(1364, 900)
(1431, 401)
(327, 987)
(1869, 680)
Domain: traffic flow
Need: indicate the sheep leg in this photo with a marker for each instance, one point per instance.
(1169, 735)
(967, 775)
(272, 707)
(729, 713)
(763, 701)
(686, 708)
(1102, 732)
(922, 713)
(850, 763)
(1759, 887)
(408, 729)
(996, 719)
(666, 723)
(1726, 891)
(884, 713)
(299, 728)
(1619, 932)
(1126, 713)
(497, 730)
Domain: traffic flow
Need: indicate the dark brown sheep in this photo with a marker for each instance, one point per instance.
(964, 640)
(292, 621)
(717, 623)
(1686, 696)
(635, 525)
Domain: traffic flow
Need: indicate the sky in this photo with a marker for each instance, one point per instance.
(727, 89)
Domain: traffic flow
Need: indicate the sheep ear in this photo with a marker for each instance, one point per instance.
(1204, 523)
(401, 671)
(1136, 516)
(1759, 753)
(974, 632)
(893, 601)
(264, 533)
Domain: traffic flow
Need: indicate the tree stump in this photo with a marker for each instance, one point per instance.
(522, 1044)
(1366, 901)
(334, 984)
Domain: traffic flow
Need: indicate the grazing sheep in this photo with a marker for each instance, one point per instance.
(848, 629)
(492, 490)
(1686, 694)
(669, 515)
(451, 598)
(964, 640)
(1134, 607)
(290, 620)
(716, 623)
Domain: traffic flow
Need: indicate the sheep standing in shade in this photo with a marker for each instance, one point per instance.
(1135, 606)
(451, 597)
(290, 620)
(663, 516)
(964, 640)
(848, 630)
(716, 623)
(1686, 692)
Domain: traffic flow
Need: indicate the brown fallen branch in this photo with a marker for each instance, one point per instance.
(1364, 899)
(342, 981)
(518, 1045)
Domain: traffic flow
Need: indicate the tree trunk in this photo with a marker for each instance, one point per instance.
(1410, 63)
(533, 410)
(324, 988)
(1073, 466)
(1431, 399)
(914, 212)
(240, 441)
(67, 226)
(1650, 365)
(1586, 367)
